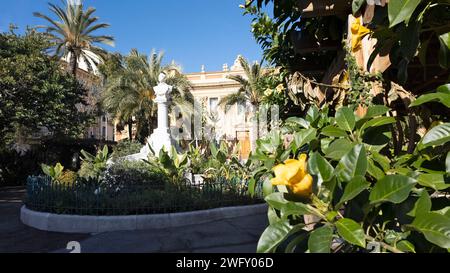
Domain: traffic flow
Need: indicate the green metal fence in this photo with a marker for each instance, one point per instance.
(94, 198)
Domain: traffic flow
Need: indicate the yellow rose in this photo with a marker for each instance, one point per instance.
(293, 174)
(358, 33)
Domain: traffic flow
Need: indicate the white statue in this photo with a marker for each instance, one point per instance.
(162, 90)
(161, 136)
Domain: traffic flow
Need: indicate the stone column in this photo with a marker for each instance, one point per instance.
(161, 136)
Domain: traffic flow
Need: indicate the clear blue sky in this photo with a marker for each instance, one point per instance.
(191, 32)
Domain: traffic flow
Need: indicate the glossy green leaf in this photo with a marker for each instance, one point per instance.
(356, 5)
(445, 211)
(436, 136)
(435, 227)
(299, 236)
(351, 231)
(267, 187)
(251, 186)
(345, 119)
(382, 160)
(333, 131)
(444, 50)
(392, 188)
(434, 181)
(276, 200)
(320, 166)
(445, 39)
(338, 149)
(406, 246)
(272, 216)
(376, 122)
(352, 164)
(401, 11)
(299, 121)
(447, 163)
(304, 137)
(313, 114)
(273, 236)
(320, 240)
(376, 110)
(434, 97)
(437, 97)
(330, 216)
(374, 171)
(297, 209)
(422, 205)
(357, 185)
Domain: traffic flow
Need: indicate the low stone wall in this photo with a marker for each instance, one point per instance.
(98, 224)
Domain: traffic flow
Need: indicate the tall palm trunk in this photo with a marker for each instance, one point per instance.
(130, 130)
(73, 63)
(254, 130)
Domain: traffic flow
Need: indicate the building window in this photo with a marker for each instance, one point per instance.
(103, 131)
(213, 103)
(103, 118)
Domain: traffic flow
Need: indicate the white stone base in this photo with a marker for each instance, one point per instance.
(96, 224)
(159, 140)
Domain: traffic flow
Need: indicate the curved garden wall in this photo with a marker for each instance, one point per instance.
(95, 224)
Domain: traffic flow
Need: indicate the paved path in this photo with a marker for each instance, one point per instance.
(238, 235)
(15, 237)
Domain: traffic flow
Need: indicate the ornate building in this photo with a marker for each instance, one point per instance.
(227, 122)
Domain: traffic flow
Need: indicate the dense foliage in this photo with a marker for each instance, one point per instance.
(125, 148)
(35, 94)
(158, 185)
(406, 30)
(362, 169)
(363, 193)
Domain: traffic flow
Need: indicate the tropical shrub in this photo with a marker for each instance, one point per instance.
(342, 174)
(93, 167)
(171, 164)
(224, 164)
(55, 172)
(68, 178)
(133, 173)
(125, 148)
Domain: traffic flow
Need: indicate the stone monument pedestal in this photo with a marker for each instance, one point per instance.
(161, 136)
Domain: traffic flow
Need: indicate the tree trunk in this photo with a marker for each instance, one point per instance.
(130, 130)
(412, 132)
(73, 63)
(401, 138)
(254, 133)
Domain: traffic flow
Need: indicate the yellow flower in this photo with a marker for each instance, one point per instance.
(268, 92)
(293, 174)
(358, 33)
(280, 88)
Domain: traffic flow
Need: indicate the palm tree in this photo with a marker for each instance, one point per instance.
(129, 93)
(72, 34)
(251, 92)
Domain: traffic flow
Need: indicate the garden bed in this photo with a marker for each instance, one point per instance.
(106, 199)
